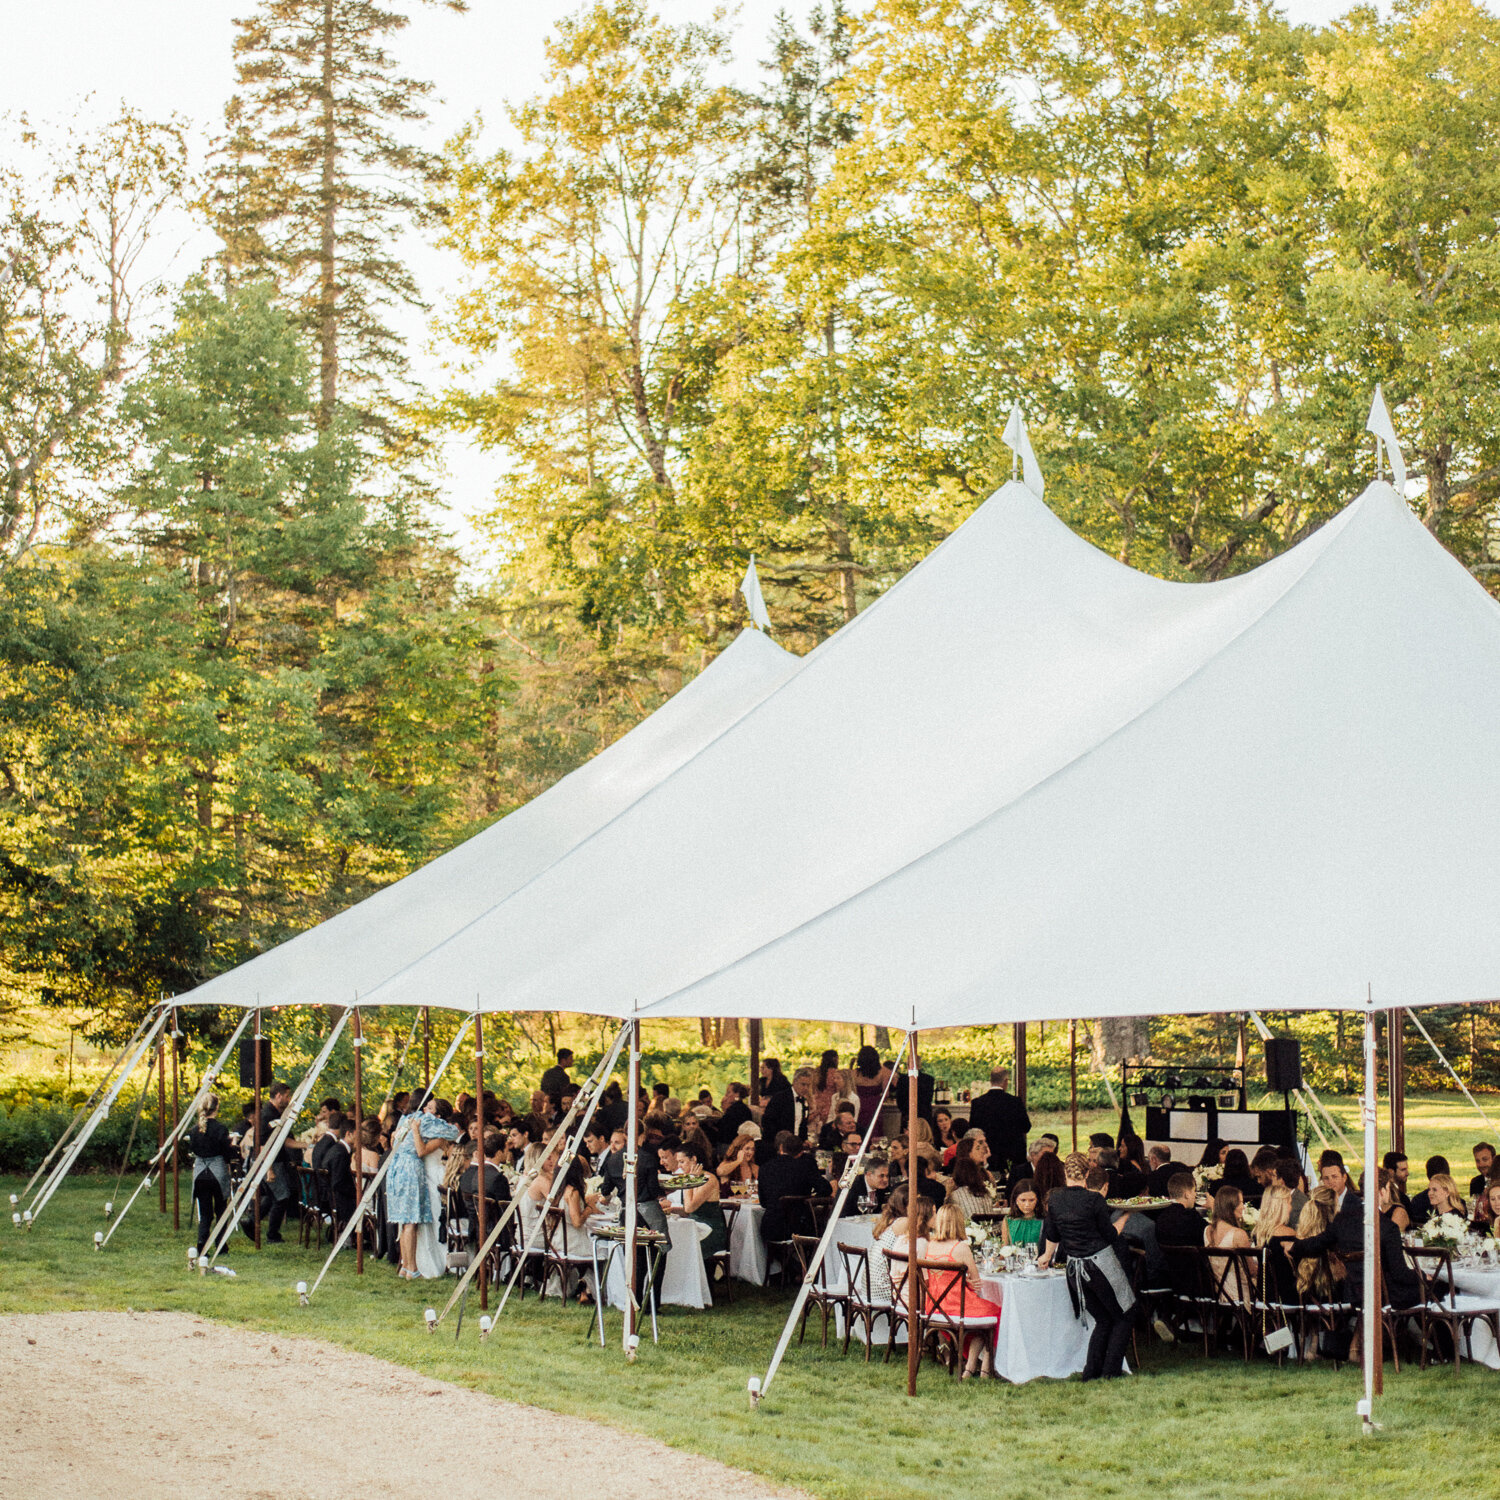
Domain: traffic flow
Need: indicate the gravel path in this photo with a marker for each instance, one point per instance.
(163, 1405)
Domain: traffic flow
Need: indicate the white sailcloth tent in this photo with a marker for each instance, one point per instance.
(352, 953)
(1032, 782)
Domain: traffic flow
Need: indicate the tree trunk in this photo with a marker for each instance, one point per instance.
(1121, 1038)
(328, 322)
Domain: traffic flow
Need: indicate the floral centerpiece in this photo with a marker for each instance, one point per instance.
(1449, 1230)
(1207, 1177)
(1249, 1216)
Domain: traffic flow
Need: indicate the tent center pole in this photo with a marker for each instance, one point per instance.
(359, 1143)
(914, 1292)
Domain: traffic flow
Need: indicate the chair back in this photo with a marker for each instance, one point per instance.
(945, 1292)
(805, 1246)
(856, 1263)
(1188, 1272)
(902, 1270)
(1434, 1268)
(1232, 1274)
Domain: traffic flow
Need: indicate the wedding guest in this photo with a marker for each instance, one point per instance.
(1023, 1226)
(1180, 1223)
(1237, 1175)
(870, 1078)
(1129, 1179)
(1161, 1170)
(1399, 1167)
(871, 1190)
(1226, 1232)
(944, 1138)
(702, 1202)
(1003, 1119)
(339, 1164)
(772, 1079)
(927, 1185)
(1484, 1159)
(738, 1164)
(331, 1138)
(1443, 1196)
(1344, 1234)
(948, 1244)
(425, 1128)
(555, 1080)
(1318, 1275)
(971, 1192)
(613, 1112)
(1289, 1175)
(788, 1174)
(836, 1131)
(894, 1230)
(1100, 1140)
(1078, 1225)
(1421, 1203)
(736, 1112)
(786, 1108)
(825, 1094)
(1213, 1153)
(370, 1144)
(1487, 1211)
(1275, 1219)
(496, 1183)
(1400, 1284)
(210, 1145)
(1047, 1176)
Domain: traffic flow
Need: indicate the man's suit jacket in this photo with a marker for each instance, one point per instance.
(788, 1177)
(901, 1093)
(1003, 1119)
(785, 1110)
(1158, 1178)
(728, 1124)
(340, 1167)
(324, 1144)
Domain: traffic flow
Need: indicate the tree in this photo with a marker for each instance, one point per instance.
(314, 183)
(71, 256)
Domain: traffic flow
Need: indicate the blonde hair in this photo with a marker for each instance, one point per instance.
(1275, 1212)
(1075, 1166)
(949, 1223)
(207, 1110)
(923, 1132)
(1445, 1181)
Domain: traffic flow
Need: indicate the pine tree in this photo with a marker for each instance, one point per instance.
(315, 184)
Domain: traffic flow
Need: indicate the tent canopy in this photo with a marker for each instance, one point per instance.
(352, 953)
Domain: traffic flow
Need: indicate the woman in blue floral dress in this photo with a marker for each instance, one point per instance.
(410, 1202)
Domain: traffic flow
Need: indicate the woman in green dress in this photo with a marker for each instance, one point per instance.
(701, 1202)
(1024, 1226)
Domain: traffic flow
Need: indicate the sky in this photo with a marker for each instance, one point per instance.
(75, 60)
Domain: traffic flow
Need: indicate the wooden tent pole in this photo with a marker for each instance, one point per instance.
(161, 1112)
(427, 1047)
(1395, 1046)
(913, 1178)
(176, 1120)
(754, 1062)
(259, 1081)
(1019, 1082)
(484, 1285)
(1073, 1077)
(359, 1145)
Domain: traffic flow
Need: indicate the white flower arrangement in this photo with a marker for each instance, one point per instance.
(978, 1234)
(593, 1184)
(1249, 1216)
(1203, 1176)
(1448, 1229)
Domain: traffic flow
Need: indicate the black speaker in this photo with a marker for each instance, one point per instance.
(247, 1062)
(1283, 1064)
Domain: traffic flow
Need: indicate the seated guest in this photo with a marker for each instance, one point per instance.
(1484, 1159)
(331, 1140)
(788, 1174)
(1213, 1153)
(927, 1186)
(702, 1202)
(1162, 1169)
(339, 1164)
(736, 1113)
(595, 1145)
(1022, 1170)
(1400, 1284)
(1023, 1226)
(1420, 1208)
(1263, 1170)
(738, 1164)
(613, 1112)
(1289, 1175)
(705, 1108)
(1443, 1197)
(1487, 1211)
(944, 1137)
(1344, 1235)
(892, 1231)
(692, 1132)
(1047, 1176)
(1399, 1167)
(1317, 1276)
(845, 1122)
(1078, 1225)
(945, 1292)
(1100, 1140)
(496, 1183)
(1129, 1179)
(1225, 1232)
(871, 1190)
(1180, 1226)
(1237, 1174)
(971, 1192)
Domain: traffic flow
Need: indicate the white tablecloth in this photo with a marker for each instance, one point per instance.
(1486, 1284)
(684, 1282)
(858, 1231)
(747, 1250)
(1039, 1336)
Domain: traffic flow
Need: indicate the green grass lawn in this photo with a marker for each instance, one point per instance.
(1181, 1430)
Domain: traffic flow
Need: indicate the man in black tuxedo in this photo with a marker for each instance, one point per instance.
(338, 1162)
(556, 1079)
(329, 1141)
(785, 1111)
(496, 1184)
(835, 1132)
(1161, 1171)
(1346, 1235)
(1003, 1119)
(1484, 1159)
(788, 1174)
(1179, 1226)
(596, 1145)
(735, 1112)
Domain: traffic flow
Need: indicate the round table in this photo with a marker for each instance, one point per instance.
(1039, 1336)
(1480, 1282)
(747, 1250)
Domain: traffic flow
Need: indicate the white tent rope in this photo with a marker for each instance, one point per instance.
(82, 1112)
(557, 1181)
(180, 1129)
(1307, 1089)
(100, 1114)
(1437, 1052)
(367, 1202)
(851, 1170)
(592, 1090)
(390, 1093)
(269, 1150)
